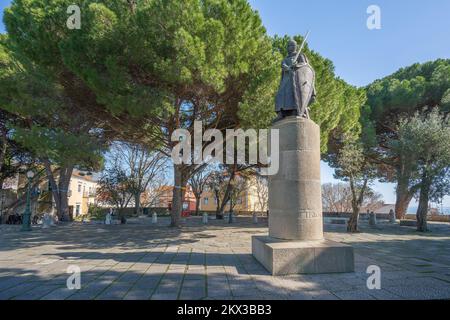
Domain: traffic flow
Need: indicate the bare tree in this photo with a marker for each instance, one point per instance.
(227, 182)
(198, 182)
(217, 183)
(372, 200)
(145, 170)
(238, 185)
(336, 197)
(260, 183)
(154, 191)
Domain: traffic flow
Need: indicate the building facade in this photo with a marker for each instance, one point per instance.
(164, 198)
(81, 194)
(253, 198)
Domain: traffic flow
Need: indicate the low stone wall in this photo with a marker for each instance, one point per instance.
(437, 218)
(129, 212)
(380, 216)
(161, 211)
(384, 216)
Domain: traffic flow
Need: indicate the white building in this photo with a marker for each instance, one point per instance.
(82, 191)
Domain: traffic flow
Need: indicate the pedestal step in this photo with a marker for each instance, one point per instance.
(281, 257)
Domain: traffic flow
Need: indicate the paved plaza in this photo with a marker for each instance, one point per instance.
(144, 261)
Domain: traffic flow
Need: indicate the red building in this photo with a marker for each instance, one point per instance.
(165, 199)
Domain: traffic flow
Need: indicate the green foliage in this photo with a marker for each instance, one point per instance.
(95, 212)
(53, 123)
(424, 139)
(408, 90)
(59, 146)
(419, 87)
(136, 61)
(352, 164)
(211, 56)
(114, 187)
(350, 161)
(211, 53)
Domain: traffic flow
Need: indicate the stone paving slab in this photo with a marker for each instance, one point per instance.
(141, 260)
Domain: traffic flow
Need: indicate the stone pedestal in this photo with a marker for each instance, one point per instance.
(281, 257)
(295, 243)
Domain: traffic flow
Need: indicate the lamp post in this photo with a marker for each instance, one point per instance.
(26, 222)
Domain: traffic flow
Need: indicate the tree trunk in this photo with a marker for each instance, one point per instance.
(121, 215)
(422, 210)
(225, 200)
(54, 186)
(219, 215)
(230, 215)
(352, 225)
(357, 200)
(227, 194)
(197, 204)
(3, 147)
(137, 204)
(63, 189)
(60, 190)
(403, 198)
(177, 195)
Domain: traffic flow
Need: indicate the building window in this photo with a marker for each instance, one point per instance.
(77, 210)
(79, 188)
(205, 201)
(239, 201)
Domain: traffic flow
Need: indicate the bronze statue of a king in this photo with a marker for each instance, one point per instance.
(296, 91)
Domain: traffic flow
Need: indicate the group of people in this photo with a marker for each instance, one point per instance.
(17, 219)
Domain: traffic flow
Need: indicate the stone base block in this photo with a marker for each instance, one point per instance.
(281, 257)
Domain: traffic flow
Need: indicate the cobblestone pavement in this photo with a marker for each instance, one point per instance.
(144, 261)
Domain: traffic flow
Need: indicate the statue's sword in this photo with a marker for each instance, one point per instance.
(301, 47)
(294, 62)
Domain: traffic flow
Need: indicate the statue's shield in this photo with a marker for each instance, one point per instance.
(304, 82)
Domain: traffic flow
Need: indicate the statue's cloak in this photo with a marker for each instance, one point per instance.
(296, 87)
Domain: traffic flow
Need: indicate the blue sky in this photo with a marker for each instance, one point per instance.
(3, 5)
(411, 31)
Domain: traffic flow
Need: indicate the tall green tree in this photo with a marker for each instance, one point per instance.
(424, 139)
(147, 68)
(13, 156)
(353, 165)
(194, 60)
(417, 87)
(55, 122)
